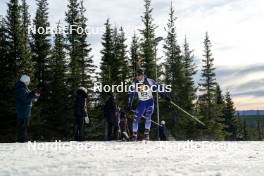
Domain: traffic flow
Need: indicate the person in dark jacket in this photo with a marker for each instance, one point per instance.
(110, 114)
(24, 99)
(80, 112)
(163, 131)
(123, 127)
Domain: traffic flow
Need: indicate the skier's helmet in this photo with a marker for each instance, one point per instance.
(140, 72)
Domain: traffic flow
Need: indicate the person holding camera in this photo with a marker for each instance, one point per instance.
(24, 98)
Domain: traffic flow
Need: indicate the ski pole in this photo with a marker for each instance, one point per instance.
(189, 115)
(151, 120)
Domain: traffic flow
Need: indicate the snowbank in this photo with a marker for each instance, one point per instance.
(132, 158)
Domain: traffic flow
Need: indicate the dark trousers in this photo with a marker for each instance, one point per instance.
(162, 134)
(112, 131)
(22, 130)
(79, 129)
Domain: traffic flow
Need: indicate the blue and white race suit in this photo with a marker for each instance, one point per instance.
(144, 89)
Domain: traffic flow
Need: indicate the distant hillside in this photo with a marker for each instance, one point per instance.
(250, 112)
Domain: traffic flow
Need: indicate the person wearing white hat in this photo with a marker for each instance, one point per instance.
(24, 99)
(25, 79)
(162, 131)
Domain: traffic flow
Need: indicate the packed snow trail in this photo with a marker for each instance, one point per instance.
(132, 158)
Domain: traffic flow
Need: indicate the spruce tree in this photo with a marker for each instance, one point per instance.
(134, 60)
(25, 18)
(231, 121)
(120, 65)
(58, 124)
(41, 44)
(107, 55)
(19, 51)
(148, 44)
(115, 72)
(220, 106)
(174, 73)
(18, 61)
(86, 60)
(189, 72)
(208, 107)
(5, 64)
(7, 110)
(73, 20)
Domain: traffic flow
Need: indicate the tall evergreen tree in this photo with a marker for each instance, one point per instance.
(73, 20)
(4, 61)
(5, 64)
(58, 124)
(116, 61)
(148, 44)
(189, 72)
(25, 18)
(134, 61)
(16, 40)
(41, 44)
(120, 67)
(209, 109)
(17, 61)
(86, 65)
(7, 111)
(220, 104)
(107, 55)
(174, 74)
(231, 121)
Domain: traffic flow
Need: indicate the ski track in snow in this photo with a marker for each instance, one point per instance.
(133, 158)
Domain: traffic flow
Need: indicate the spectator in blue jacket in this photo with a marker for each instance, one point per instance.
(24, 99)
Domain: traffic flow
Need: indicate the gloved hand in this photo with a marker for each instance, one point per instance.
(36, 93)
(87, 120)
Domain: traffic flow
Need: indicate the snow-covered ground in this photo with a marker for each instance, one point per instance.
(132, 158)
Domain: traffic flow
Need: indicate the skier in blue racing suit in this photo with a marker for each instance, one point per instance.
(144, 88)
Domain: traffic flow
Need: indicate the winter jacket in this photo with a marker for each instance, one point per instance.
(110, 110)
(123, 122)
(80, 107)
(24, 99)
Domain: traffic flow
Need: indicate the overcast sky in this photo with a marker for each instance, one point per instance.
(235, 28)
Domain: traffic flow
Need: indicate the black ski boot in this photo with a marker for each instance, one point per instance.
(134, 137)
(146, 134)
